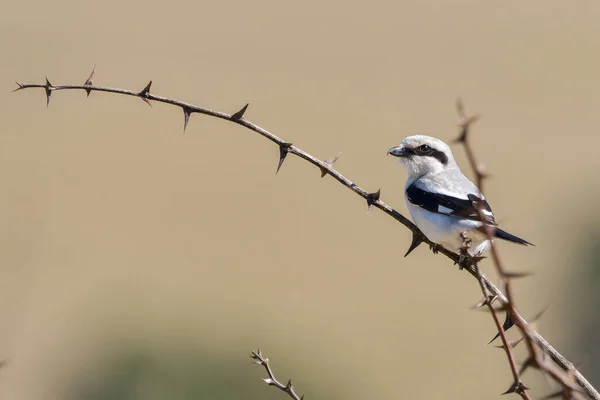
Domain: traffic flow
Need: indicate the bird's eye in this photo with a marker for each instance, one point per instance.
(424, 149)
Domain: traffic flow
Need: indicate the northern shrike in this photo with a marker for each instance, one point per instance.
(441, 199)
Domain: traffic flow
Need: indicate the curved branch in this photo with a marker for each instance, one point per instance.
(326, 168)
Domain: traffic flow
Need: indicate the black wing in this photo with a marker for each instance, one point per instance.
(449, 205)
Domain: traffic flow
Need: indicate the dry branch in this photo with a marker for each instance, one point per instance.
(534, 359)
(373, 200)
(271, 381)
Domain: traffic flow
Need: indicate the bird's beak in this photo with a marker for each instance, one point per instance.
(398, 151)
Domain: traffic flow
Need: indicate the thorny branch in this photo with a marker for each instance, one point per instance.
(488, 301)
(372, 199)
(271, 381)
(534, 360)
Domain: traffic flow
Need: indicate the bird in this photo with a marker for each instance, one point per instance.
(442, 201)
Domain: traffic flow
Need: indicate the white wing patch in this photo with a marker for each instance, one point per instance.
(444, 210)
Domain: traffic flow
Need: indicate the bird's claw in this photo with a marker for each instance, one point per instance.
(463, 259)
(435, 248)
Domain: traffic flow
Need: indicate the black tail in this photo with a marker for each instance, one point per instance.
(511, 238)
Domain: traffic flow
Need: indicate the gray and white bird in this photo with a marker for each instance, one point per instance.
(441, 200)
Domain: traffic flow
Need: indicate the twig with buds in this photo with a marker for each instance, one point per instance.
(271, 381)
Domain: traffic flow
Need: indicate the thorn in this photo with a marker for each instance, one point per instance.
(186, 117)
(479, 304)
(516, 387)
(372, 199)
(497, 309)
(467, 260)
(88, 81)
(48, 88)
(238, 115)
(529, 362)
(145, 92)
(330, 162)
(514, 275)
(20, 86)
(283, 152)
(289, 385)
(268, 381)
(416, 241)
(511, 344)
(508, 323)
(484, 302)
(537, 316)
(477, 259)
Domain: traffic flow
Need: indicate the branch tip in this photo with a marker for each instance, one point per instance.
(238, 115)
(20, 86)
(460, 106)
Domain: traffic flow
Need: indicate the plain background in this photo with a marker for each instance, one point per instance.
(141, 262)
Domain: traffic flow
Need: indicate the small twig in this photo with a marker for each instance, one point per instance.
(464, 124)
(271, 381)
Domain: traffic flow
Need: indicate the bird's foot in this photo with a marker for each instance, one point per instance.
(435, 248)
(467, 260)
(463, 259)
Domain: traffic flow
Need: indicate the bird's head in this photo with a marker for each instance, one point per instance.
(421, 155)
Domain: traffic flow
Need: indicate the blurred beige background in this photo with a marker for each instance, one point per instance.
(140, 262)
